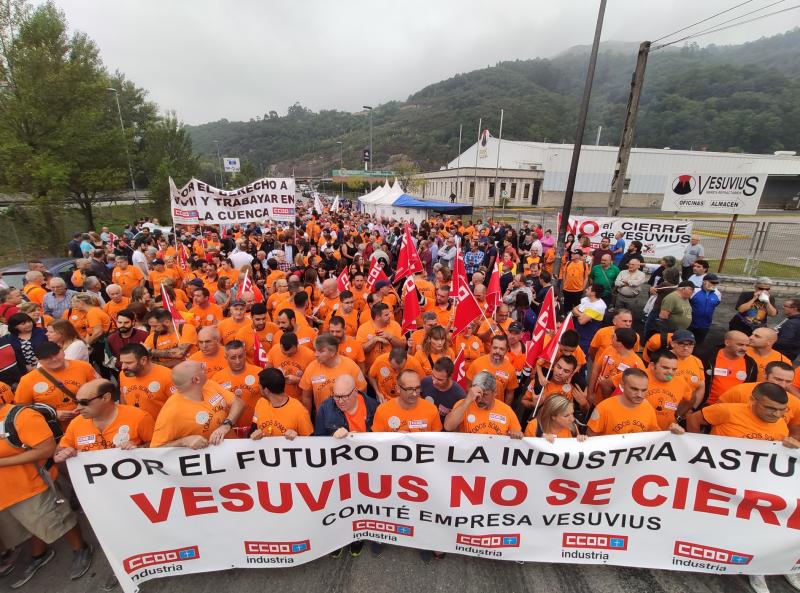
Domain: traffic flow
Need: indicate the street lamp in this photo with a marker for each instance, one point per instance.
(127, 153)
(371, 154)
(221, 170)
(341, 166)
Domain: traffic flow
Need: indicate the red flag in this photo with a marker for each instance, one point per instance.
(343, 281)
(544, 322)
(459, 274)
(183, 259)
(493, 296)
(112, 238)
(376, 274)
(259, 352)
(167, 304)
(467, 309)
(248, 286)
(411, 308)
(549, 353)
(460, 369)
(408, 261)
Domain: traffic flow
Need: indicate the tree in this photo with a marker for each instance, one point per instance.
(59, 138)
(406, 173)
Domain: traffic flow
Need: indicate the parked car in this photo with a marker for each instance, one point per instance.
(14, 275)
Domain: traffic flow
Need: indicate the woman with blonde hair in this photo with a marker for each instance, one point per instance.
(434, 346)
(62, 332)
(141, 294)
(33, 311)
(555, 419)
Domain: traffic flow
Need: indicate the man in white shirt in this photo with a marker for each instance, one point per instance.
(699, 269)
(140, 259)
(239, 257)
(628, 285)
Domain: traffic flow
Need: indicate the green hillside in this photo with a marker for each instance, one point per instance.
(738, 98)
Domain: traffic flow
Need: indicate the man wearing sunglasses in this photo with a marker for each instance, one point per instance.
(754, 307)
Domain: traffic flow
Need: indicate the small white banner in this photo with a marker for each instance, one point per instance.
(720, 193)
(692, 502)
(231, 165)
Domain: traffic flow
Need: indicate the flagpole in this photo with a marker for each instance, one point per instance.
(556, 336)
(477, 148)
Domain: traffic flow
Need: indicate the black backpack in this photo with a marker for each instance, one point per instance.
(49, 415)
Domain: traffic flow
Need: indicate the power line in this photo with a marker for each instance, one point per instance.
(715, 30)
(703, 21)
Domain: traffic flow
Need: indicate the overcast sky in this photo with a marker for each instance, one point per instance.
(210, 59)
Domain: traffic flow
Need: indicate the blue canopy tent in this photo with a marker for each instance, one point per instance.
(406, 201)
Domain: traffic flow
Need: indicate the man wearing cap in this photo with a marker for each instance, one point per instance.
(676, 310)
(754, 307)
(690, 368)
(230, 326)
(704, 301)
(157, 274)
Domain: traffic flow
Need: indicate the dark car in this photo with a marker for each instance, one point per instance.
(14, 275)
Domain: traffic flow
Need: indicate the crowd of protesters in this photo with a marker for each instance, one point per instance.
(249, 329)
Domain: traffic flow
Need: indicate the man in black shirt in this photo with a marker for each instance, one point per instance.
(440, 389)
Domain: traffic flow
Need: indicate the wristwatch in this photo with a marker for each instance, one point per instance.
(227, 422)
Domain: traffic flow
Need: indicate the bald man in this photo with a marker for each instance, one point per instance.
(761, 350)
(330, 303)
(728, 366)
(198, 414)
(211, 352)
(346, 410)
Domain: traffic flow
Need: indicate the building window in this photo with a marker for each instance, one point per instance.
(491, 189)
(513, 191)
(502, 187)
(626, 186)
(526, 191)
(471, 189)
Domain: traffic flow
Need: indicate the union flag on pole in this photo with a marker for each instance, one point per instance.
(343, 281)
(550, 350)
(459, 273)
(460, 369)
(259, 352)
(408, 261)
(167, 303)
(183, 256)
(248, 286)
(493, 296)
(411, 308)
(467, 309)
(376, 274)
(546, 321)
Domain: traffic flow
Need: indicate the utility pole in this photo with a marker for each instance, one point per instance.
(341, 166)
(477, 149)
(458, 162)
(127, 154)
(625, 143)
(576, 149)
(221, 170)
(497, 164)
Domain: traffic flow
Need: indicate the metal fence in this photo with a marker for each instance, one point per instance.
(757, 248)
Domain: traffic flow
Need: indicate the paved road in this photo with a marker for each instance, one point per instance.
(400, 569)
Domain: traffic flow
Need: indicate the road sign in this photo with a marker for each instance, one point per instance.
(367, 155)
(231, 165)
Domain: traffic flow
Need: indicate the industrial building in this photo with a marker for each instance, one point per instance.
(535, 174)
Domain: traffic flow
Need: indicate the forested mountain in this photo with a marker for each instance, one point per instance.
(737, 98)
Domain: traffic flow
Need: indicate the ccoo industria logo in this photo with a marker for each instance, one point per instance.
(683, 184)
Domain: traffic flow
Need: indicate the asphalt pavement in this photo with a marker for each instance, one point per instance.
(401, 569)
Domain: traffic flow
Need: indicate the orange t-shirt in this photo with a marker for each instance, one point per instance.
(357, 421)
(275, 421)
(352, 320)
(738, 420)
(266, 336)
(21, 482)
(229, 327)
(130, 425)
(690, 369)
(530, 431)
(187, 335)
(34, 293)
(574, 275)
(181, 417)
(385, 375)
(244, 385)
(652, 345)
(96, 316)
(392, 417)
(473, 347)
(740, 394)
(206, 316)
(485, 326)
(611, 417)
(305, 336)
(367, 332)
(291, 367)
(156, 278)
(148, 392)
(78, 320)
(273, 277)
(665, 396)
(35, 387)
(499, 420)
(602, 340)
(425, 362)
(128, 279)
(796, 382)
(319, 378)
(550, 389)
(577, 353)
(352, 349)
(613, 364)
(504, 373)
(763, 361)
(214, 364)
(727, 373)
(6, 395)
(112, 309)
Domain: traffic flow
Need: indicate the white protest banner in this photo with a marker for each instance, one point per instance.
(265, 199)
(720, 193)
(658, 237)
(690, 502)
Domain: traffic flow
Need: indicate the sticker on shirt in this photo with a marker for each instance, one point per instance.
(86, 439)
(718, 372)
(622, 367)
(348, 350)
(154, 386)
(384, 372)
(501, 374)
(41, 387)
(694, 378)
(201, 417)
(475, 345)
(319, 379)
(741, 375)
(471, 418)
(217, 399)
(250, 380)
(269, 337)
(566, 388)
(418, 424)
(121, 437)
(671, 406)
(226, 384)
(394, 422)
(494, 417)
(209, 317)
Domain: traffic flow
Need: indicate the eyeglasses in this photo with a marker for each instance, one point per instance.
(86, 402)
(342, 397)
(763, 287)
(411, 389)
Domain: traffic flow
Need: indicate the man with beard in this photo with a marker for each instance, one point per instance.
(481, 413)
(143, 384)
(259, 328)
(126, 334)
